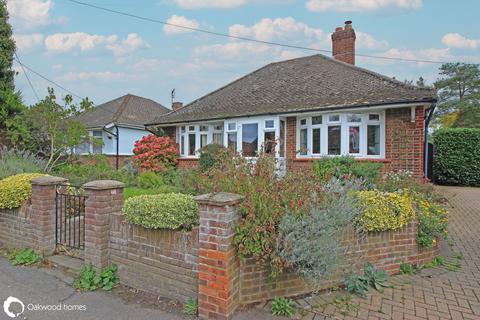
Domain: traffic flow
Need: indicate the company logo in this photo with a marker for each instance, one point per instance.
(8, 302)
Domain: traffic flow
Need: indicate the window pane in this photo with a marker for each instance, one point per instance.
(182, 129)
(250, 139)
(334, 118)
(191, 128)
(303, 122)
(317, 120)
(269, 124)
(373, 140)
(182, 145)
(191, 144)
(232, 126)
(218, 138)
(232, 141)
(282, 138)
(354, 139)
(203, 140)
(98, 142)
(269, 143)
(303, 141)
(316, 141)
(354, 118)
(203, 128)
(218, 127)
(334, 140)
(374, 117)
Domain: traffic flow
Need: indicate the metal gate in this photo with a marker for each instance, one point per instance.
(70, 217)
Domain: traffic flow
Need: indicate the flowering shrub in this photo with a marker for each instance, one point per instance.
(384, 211)
(345, 167)
(17, 189)
(267, 198)
(162, 211)
(432, 222)
(158, 154)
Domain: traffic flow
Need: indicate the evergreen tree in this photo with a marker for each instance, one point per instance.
(7, 50)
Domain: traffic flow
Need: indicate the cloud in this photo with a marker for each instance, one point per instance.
(28, 41)
(132, 43)
(181, 21)
(367, 41)
(434, 54)
(360, 5)
(277, 29)
(455, 40)
(196, 4)
(67, 42)
(31, 14)
(101, 76)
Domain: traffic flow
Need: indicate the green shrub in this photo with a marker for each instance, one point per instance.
(457, 156)
(14, 161)
(184, 180)
(93, 167)
(210, 155)
(283, 307)
(346, 166)
(130, 192)
(150, 180)
(24, 257)
(17, 189)
(384, 211)
(190, 308)
(311, 243)
(89, 280)
(162, 211)
(432, 223)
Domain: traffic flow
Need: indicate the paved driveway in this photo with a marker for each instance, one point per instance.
(437, 293)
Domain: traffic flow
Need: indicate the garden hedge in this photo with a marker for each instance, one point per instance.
(457, 156)
(17, 189)
(162, 211)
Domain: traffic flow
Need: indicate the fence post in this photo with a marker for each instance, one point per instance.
(103, 197)
(44, 192)
(218, 269)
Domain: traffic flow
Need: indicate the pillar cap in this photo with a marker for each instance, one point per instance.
(103, 185)
(219, 199)
(48, 181)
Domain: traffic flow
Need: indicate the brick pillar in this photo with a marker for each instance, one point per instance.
(103, 197)
(43, 213)
(218, 269)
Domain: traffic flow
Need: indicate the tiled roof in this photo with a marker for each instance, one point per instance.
(309, 83)
(127, 110)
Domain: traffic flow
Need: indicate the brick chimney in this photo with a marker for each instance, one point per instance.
(343, 43)
(176, 105)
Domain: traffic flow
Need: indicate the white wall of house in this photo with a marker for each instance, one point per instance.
(127, 138)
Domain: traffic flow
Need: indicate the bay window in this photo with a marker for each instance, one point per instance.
(359, 134)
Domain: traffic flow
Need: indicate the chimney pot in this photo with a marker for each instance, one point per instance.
(343, 43)
(176, 105)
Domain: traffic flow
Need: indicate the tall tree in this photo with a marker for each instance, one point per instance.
(10, 102)
(7, 50)
(458, 88)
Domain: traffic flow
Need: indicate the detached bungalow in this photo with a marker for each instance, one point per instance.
(118, 123)
(313, 106)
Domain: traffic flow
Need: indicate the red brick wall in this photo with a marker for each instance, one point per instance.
(404, 142)
(163, 262)
(16, 228)
(386, 250)
(188, 163)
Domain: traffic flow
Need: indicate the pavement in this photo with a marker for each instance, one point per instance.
(437, 293)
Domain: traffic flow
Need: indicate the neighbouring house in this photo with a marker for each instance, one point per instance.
(312, 107)
(118, 123)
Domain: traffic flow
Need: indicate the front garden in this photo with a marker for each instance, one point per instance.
(291, 224)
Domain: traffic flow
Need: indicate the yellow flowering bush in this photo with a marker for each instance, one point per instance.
(432, 222)
(384, 211)
(17, 189)
(162, 211)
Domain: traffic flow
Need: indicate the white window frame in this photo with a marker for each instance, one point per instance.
(345, 138)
